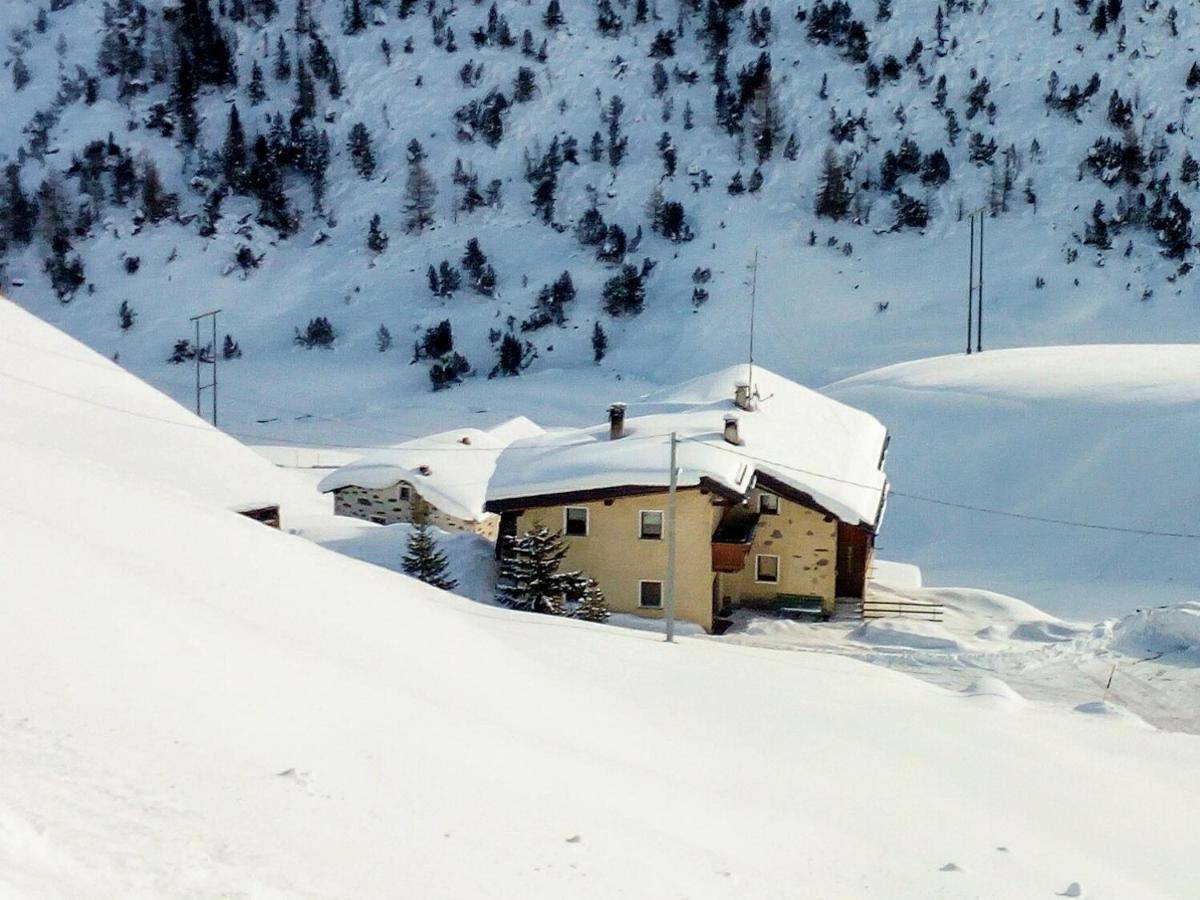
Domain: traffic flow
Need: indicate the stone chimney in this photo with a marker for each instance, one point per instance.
(731, 429)
(741, 396)
(616, 421)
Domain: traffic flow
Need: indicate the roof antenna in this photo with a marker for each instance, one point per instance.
(753, 298)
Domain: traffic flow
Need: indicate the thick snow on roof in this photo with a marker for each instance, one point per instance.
(124, 426)
(804, 439)
(450, 469)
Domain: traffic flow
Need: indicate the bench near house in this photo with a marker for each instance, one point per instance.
(448, 472)
(780, 494)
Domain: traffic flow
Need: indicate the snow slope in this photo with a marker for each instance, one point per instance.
(1103, 435)
(216, 708)
(122, 427)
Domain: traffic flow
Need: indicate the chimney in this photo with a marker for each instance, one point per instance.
(616, 421)
(731, 429)
(741, 396)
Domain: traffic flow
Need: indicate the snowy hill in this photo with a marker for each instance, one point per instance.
(861, 296)
(1103, 435)
(242, 712)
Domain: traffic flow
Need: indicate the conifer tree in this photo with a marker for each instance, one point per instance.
(126, 316)
(230, 348)
(353, 19)
(553, 16)
(599, 343)
(833, 200)
(233, 153)
(419, 191)
(422, 558)
(377, 238)
(624, 293)
(283, 61)
(528, 574)
(361, 154)
(255, 90)
(383, 339)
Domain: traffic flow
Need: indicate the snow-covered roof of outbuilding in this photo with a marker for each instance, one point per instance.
(795, 436)
(450, 469)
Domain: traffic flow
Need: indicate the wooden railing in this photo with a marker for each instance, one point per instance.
(883, 609)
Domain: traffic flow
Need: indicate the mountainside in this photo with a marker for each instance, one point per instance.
(839, 110)
(195, 705)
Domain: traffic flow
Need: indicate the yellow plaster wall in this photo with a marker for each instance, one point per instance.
(615, 555)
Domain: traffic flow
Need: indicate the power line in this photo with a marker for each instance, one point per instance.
(1046, 520)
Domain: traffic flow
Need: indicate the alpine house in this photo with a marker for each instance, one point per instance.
(780, 493)
(445, 474)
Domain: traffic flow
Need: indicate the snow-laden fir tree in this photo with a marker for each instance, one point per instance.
(529, 578)
(419, 191)
(422, 558)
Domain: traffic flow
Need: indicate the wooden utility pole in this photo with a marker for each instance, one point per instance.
(669, 586)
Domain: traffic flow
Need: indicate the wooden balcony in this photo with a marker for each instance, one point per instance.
(732, 540)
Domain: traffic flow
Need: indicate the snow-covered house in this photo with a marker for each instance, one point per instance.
(447, 472)
(780, 493)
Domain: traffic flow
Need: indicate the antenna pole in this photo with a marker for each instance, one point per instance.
(753, 300)
(971, 285)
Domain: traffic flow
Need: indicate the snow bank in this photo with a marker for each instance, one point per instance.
(908, 634)
(1161, 630)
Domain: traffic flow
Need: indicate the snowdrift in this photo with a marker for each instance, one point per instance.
(1095, 434)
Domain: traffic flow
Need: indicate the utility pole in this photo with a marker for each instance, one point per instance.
(979, 318)
(975, 287)
(971, 285)
(212, 360)
(669, 600)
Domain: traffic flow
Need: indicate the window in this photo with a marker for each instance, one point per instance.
(768, 504)
(575, 521)
(766, 569)
(405, 492)
(650, 594)
(651, 525)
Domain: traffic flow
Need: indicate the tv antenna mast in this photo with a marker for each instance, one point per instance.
(753, 303)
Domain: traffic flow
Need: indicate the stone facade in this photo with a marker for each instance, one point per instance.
(389, 505)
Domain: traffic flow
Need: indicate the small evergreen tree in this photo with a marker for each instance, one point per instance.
(318, 333)
(833, 200)
(361, 154)
(383, 339)
(420, 191)
(624, 293)
(126, 316)
(585, 600)
(230, 349)
(255, 89)
(599, 343)
(528, 577)
(422, 558)
(377, 238)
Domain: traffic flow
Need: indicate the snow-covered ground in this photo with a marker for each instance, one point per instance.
(192, 704)
(1100, 435)
(1145, 664)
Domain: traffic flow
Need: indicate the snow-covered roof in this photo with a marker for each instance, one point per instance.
(450, 469)
(800, 438)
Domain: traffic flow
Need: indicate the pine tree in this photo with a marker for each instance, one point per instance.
(599, 343)
(422, 558)
(420, 191)
(1096, 232)
(525, 85)
(584, 599)
(230, 348)
(383, 339)
(255, 90)
(528, 574)
(283, 61)
(306, 96)
(361, 154)
(157, 204)
(18, 213)
(553, 16)
(126, 316)
(233, 154)
(377, 238)
(624, 293)
(474, 259)
(833, 200)
(353, 20)
(183, 99)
